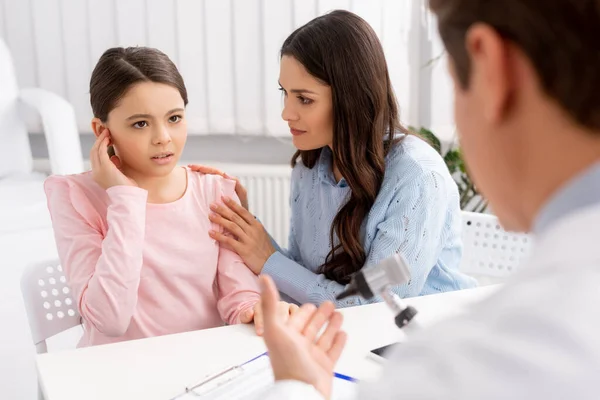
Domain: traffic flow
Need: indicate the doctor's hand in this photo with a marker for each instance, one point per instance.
(284, 311)
(295, 350)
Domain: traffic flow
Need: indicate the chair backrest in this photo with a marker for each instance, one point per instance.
(48, 303)
(488, 250)
(13, 133)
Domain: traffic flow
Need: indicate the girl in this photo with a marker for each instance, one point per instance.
(124, 230)
(362, 187)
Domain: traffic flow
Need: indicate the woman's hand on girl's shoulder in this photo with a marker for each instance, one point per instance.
(242, 233)
(240, 190)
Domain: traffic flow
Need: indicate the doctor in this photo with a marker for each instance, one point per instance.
(527, 105)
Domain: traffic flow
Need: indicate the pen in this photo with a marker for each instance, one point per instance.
(255, 358)
(344, 377)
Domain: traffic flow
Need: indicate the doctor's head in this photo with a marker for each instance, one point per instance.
(527, 95)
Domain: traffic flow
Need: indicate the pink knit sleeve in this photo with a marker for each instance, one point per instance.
(238, 285)
(102, 266)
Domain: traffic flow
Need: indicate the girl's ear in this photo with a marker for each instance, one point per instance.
(98, 126)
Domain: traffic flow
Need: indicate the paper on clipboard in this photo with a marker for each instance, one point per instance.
(250, 381)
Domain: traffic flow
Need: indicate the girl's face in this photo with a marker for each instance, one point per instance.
(148, 129)
(308, 106)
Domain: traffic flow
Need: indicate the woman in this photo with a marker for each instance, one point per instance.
(362, 187)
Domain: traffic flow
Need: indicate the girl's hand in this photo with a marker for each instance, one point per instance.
(248, 238)
(284, 311)
(239, 189)
(106, 170)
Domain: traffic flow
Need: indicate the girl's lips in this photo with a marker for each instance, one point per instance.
(163, 160)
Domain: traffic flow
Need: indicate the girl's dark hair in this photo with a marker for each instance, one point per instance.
(342, 50)
(118, 69)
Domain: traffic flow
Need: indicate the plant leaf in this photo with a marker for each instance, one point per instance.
(452, 160)
(431, 138)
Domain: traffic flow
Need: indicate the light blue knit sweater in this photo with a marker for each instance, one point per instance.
(416, 213)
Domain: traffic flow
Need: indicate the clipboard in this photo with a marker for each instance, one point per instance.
(251, 379)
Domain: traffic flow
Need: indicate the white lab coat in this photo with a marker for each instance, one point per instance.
(538, 337)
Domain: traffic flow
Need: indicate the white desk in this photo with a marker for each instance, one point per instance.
(159, 368)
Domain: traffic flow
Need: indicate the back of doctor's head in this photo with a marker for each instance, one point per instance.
(526, 83)
(561, 38)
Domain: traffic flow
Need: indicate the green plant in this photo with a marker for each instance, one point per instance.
(470, 198)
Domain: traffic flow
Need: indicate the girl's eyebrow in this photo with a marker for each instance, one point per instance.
(148, 116)
(178, 109)
(136, 116)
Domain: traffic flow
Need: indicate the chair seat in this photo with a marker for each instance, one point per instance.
(23, 204)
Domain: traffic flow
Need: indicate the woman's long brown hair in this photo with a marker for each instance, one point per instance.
(342, 50)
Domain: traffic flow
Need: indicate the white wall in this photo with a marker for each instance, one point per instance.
(227, 51)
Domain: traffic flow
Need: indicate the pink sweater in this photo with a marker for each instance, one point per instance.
(137, 269)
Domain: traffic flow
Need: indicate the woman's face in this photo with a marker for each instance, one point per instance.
(148, 129)
(308, 106)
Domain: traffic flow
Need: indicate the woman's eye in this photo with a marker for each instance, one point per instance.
(175, 118)
(304, 100)
(140, 124)
(283, 91)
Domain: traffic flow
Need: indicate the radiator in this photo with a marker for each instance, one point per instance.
(268, 189)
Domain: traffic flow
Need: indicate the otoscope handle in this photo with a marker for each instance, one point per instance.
(405, 316)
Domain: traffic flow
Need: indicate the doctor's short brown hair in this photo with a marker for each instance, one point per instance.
(560, 37)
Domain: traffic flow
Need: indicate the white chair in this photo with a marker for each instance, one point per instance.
(490, 253)
(22, 199)
(48, 303)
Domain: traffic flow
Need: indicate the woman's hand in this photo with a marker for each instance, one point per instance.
(106, 170)
(239, 189)
(250, 239)
(284, 311)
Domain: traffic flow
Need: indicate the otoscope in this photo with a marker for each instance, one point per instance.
(379, 280)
